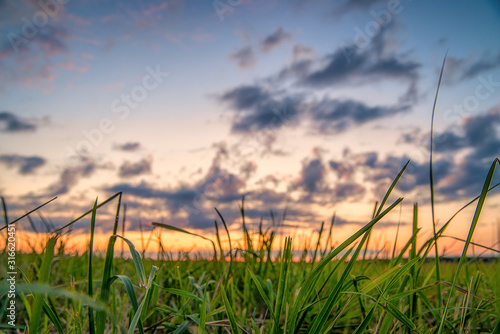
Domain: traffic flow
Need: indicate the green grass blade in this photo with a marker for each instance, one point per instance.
(48, 311)
(320, 320)
(26, 214)
(229, 311)
(431, 174)
(129, 288)
(182, 328)
(86, 213)
(43, 278)
(44, 289)
(183, 293)
(90, 288)
(203, 313)
(480, 203)
(107, 273)
(263, 294)
(282, 285)
(366, 321)
(391, 188)
(176, 229)
(312, 278)
(136, 257)
(149, 290)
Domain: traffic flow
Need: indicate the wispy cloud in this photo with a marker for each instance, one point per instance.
(274, 40)
(333, 116)
(257, 109)
(244, 58)
(128, 147)
(25, 164)
(140, 167)
(463, 69)
(12, 123)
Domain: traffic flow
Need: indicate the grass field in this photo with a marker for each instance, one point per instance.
(249, 287)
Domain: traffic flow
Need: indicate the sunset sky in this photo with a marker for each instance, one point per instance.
(189, 105)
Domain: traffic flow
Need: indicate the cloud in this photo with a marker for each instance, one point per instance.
(26, 164)
(128, 147)
(462, 158)
(11, 123)
(334, 116)
(318, 187)
(461, 69)
(353, 65)
(70, 176)
(34, 37)
(312, 175)
(358, 66)
(479, 139)
(352, 6)
(301, 51)
(217, 186)
(128, 168)
(274, 40)
(256, 109)
(244, 58)
(478, 133)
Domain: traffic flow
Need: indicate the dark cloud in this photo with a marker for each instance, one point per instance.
(256, 109)
(479, 137)
(466, 179)
(333, 116)
(245, 97)
(348, 190)
(351, 6)
(11, 123)
(70, 176)
(128, 147)
(26, 164)
(312, 175)
(313, 180)
(351, 65)
(244, 58)
(460, 69)
(480, 133)
(128, 168)
(375, 62)
(277, 38)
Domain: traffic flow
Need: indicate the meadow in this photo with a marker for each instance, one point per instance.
(249, 287)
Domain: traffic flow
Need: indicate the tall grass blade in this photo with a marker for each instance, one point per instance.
(229, 311)
(282, 285)
(43, 278)
(86, 213)
(463, 258)
(26, 214)
(320, 320)
(90, 287)
(310, 281)
(107, 273)
(149, 290)
(431, 174)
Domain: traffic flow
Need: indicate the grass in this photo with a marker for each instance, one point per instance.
(247, 291)
(318, 289)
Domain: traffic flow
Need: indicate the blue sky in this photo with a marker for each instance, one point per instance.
(184, 106)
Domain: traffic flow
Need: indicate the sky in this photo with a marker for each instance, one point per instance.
(313, 107)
